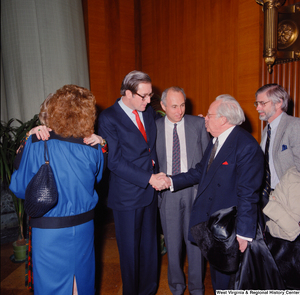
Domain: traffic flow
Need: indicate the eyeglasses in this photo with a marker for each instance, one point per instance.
(261, 103)
(144, 96)
(210, 115)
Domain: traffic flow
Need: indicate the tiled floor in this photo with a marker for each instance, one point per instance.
(107, 271)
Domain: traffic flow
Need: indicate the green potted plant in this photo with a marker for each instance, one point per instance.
(11, 135)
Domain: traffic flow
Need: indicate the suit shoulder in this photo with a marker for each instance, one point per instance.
(292, 120)
(106, 111)
(194, 119)
(150, 110)
(289, 124)
(110, 111)
(242, 133)
(160, 120)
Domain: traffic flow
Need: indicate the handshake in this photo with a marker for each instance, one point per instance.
(160, 181)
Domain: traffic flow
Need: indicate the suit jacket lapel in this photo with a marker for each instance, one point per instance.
(147, 126)
(222, 155)
(191, 140)
(127, 122)
(161, 145)
(279, 135)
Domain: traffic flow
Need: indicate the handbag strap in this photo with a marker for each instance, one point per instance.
(46, 153)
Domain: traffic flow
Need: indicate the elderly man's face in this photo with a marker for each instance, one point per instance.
(212, 122)
(175, 106)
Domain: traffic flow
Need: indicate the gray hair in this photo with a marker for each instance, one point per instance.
(230, 109)
(275, 93)
(173, 88)
(132, 80)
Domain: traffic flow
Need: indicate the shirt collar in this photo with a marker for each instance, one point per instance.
(274, 124)
(171, 124)
(223, 136)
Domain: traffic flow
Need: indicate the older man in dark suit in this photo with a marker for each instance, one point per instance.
(175, 208)
(130, 130)
(229, 174)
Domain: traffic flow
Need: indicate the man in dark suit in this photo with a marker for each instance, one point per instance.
(175, 208)
(233, 178)
(130, 130)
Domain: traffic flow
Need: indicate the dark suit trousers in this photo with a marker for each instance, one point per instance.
(136, 234)
(220, 281)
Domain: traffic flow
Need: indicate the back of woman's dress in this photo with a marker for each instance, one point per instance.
(60, 254)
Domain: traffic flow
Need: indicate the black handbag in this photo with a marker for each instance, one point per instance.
(41, 193)
(217, 241)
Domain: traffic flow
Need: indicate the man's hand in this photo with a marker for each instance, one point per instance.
(93, 140)
(242, 244)
(41, 132)
(160, 181)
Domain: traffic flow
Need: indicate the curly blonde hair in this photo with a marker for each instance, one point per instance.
(70, 112)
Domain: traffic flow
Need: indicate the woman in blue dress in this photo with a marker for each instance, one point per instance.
(63, 239)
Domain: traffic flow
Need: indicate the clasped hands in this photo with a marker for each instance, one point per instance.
(160, 181)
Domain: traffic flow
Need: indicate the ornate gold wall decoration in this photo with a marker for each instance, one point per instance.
(281, 32)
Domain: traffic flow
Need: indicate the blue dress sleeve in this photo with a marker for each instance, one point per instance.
(22, 176)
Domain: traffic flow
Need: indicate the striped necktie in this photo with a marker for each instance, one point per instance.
(267, 184)
(213, 153)
(176, 152)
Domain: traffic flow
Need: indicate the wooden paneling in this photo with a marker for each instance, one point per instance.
(288, 76)
(111, 46)
(207, 47)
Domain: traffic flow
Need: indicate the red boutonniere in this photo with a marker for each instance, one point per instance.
(225, 163)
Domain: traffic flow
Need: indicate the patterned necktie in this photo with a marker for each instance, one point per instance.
(140, 124)
(176, 152)
(267, 187)
(212, 154)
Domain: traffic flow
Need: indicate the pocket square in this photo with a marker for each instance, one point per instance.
(284, 147)
(225, 163)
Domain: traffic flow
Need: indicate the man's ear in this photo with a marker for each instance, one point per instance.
(163, 106)
(128, 94)
(223, 120)
(278, 105)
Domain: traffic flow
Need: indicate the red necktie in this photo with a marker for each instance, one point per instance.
(140, 124)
